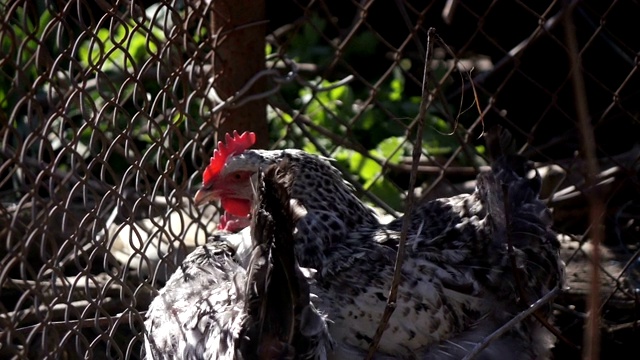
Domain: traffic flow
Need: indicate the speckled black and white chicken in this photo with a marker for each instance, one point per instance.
(472, 261)
(234, 300)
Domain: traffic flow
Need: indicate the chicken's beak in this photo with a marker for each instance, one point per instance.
(204, 196)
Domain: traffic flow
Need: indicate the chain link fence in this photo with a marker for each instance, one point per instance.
(109, 110)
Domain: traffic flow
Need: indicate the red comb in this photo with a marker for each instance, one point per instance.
(234, 145)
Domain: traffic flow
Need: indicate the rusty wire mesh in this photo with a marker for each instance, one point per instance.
(108, 112)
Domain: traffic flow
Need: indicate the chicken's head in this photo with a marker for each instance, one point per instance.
(228, 176)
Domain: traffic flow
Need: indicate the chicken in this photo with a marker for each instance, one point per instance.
(332, 208)
(232, 301)
(472, 261)
(199, 312)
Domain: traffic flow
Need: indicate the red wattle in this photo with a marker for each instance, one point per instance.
(237, 207)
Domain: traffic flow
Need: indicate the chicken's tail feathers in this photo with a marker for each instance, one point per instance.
(499, 142)
(521, 224)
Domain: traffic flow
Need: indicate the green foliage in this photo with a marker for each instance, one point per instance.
(370, 171)
(19, 43)
(332, 106)
(307, 45)
(327, 108)
(346, 109)
(117, 98)
(350, 111)
(127, 47)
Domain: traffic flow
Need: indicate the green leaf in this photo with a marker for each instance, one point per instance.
(391, 149)
(370, 169)
(286, 118)
(118, 49)
(368, 172)
(310, 148)
(387, 192)
(178, 118)
(397, 84)
(45, 19)
(4, 103)
(366, 169)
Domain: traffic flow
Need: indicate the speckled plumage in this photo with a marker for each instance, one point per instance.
(458, 275)
(472, 261)
(332, 208)
(179, 327)
(240, 296)
(458, 280)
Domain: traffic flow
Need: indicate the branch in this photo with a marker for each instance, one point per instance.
(406, 221)
(511, 323)
(596, 207)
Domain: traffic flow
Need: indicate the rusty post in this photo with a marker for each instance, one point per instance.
(239, 29)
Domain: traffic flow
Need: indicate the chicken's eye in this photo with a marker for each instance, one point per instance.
(239, 176)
